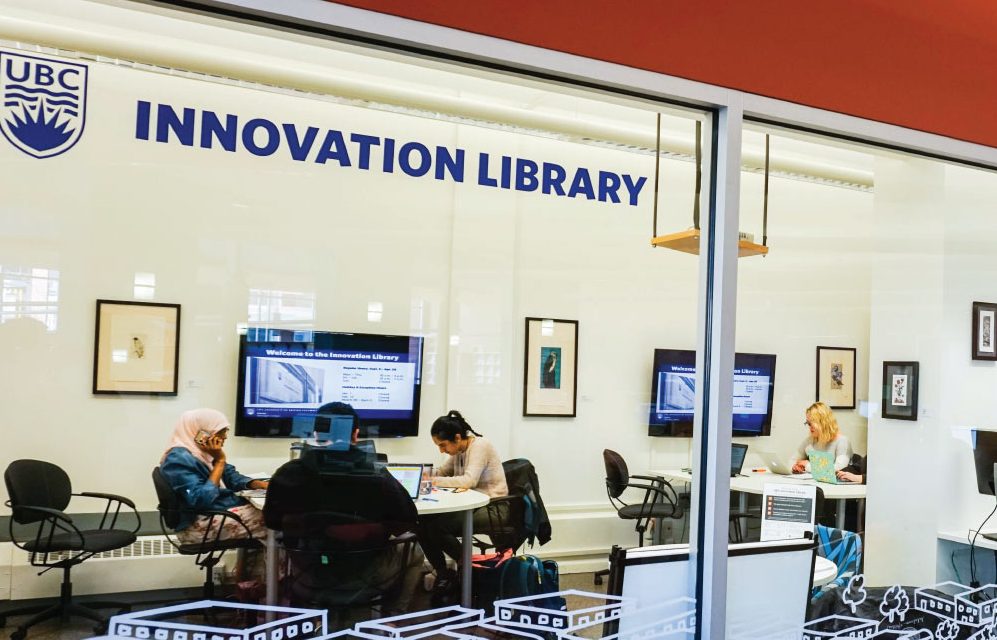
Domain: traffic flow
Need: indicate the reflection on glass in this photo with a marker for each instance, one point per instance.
(145, 286)
(375, 311)
(286, 308)
(30, 292)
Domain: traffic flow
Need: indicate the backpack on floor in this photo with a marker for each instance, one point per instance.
(528, 575)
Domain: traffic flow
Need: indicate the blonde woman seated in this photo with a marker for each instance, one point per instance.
(824, 436)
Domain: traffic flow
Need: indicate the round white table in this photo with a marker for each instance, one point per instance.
(441, 501)
(824, 571)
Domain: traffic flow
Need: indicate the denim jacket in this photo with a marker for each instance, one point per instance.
(188, 477)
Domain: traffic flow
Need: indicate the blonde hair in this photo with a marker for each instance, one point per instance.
(823, 419)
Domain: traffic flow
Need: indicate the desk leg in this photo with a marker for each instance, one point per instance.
(839, 514)
(272, 569)
(465, 560)
(742, 506)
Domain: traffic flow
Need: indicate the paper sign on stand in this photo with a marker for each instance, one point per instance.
(788, 511)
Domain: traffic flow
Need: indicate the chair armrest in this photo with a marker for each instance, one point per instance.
(106, 496)
(54, 513)
(651, 478)
(111, 500)
(647, 487)
(404, 538)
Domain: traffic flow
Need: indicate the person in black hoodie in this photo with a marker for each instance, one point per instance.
(334, 501)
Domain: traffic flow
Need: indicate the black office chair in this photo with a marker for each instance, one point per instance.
(210, 549)
(660, 499)
(336, 529)
(515, 519)
(39, 494)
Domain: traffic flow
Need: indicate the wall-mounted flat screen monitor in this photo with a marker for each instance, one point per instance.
(287, 374)
(673, 393)
(984, 458)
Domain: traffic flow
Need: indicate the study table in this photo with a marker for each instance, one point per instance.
(755, 483)
(441, 501)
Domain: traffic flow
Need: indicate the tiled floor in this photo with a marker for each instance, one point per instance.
(78, 629)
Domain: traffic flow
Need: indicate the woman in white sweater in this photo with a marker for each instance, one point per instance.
(824, 436)
(472, 463)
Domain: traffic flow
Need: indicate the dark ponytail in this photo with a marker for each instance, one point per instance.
(447, 427)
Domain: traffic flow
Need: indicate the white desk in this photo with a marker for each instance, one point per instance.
(755, 483)
(824, 571)
(439, 502)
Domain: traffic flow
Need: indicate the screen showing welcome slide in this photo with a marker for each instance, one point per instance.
(286, 374)
(285, 380)
(673, 393)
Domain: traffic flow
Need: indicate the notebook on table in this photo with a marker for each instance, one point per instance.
(822, 467)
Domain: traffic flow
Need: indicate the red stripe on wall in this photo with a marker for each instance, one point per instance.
(923, 64)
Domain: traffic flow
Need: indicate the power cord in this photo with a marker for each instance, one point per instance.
(973, 583)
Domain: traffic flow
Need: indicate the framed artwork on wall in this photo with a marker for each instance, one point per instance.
(984, 341)
(550, 379)
(900, 390)
(836, 377)
(136, 348)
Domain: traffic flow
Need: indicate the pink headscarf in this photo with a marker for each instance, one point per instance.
(189, 424)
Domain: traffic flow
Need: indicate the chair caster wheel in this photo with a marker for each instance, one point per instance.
(18, 635)
(597, 581)
(100, 629)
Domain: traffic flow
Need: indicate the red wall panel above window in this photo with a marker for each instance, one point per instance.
(922, 64)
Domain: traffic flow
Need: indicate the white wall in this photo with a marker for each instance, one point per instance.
(444, 260)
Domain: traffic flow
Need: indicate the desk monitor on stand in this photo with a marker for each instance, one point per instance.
(985, 458)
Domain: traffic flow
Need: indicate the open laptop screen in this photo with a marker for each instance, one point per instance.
(737, 454)
(409, 476)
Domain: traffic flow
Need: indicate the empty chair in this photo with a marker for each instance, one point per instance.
(659, 499)
(39, 494)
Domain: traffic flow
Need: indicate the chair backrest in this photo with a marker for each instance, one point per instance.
(169, 505)
(37, 484)
(617, 474)
(300, 487)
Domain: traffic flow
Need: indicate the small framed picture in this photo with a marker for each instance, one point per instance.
(550, 381)
(836, 377)
(136, 348)
(900, 390)
(984, 341)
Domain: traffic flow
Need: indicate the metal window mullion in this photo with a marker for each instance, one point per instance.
(715, 371)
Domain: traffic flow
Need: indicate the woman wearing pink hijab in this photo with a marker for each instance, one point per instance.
(194, 465)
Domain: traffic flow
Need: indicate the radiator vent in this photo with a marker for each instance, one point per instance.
(145, 547)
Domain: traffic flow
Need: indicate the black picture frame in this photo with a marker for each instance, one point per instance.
(836, 376)
(550, 390)
(900, 389)
(136, 348)
(983, 338)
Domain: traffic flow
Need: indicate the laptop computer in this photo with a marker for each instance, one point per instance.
(738, 452)
(778, 466)
(822, 468)
(407, 475)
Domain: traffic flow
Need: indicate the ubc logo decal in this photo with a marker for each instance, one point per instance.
(43, 103)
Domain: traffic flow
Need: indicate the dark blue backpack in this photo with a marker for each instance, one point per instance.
(530, 576)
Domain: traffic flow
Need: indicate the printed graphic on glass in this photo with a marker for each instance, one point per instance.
(550, 367)
(283, 382)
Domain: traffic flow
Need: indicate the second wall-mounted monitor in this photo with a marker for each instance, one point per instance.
(286, 375)
(673, 393)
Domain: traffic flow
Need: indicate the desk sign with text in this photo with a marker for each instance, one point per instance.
(788, 511)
